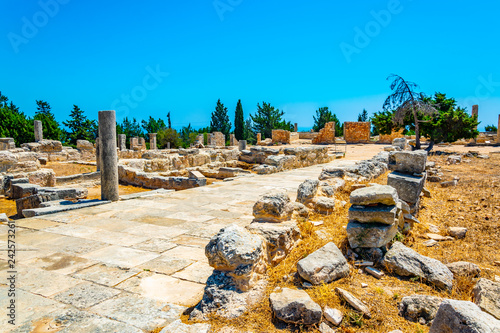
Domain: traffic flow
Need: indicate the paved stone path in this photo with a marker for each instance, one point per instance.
(128, 266)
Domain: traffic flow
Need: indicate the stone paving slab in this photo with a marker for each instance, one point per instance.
(128, 266)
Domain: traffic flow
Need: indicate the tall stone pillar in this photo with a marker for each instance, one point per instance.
(122, 142)
(475, 112)
(296, 127)
(168, 145)
(498, 130)
(142, 143)
(109, 158)
(259, 138)
(38, 131)
(97, 154)
(152, 141)
(242, 144)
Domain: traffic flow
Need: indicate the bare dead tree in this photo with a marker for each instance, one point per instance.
(406, 100)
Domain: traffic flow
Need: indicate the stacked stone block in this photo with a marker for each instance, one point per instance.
(326, 135)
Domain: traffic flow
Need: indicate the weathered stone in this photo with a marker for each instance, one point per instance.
(109, 159)
(280, 136)
(419, 308)
(22, 190)
(217, 139)
(401, 143)
(280, 238)
(450, 183)
(326, 135)
(43, 177)
(408, 187)
(454, 159)
(307, 191)
(38, 127)
(487, 296)
(274, 207)
(323, 205)
(354, 302)
(457, 232)
(463, 317)
(122, 142)
(7, 143)
(50, 146)
(383, 194)
(408, 161)
(334, 316)
(84, 145)
(357, 132)
(373, 214)
(370, 234)
(296, 307)
(324, 328)
(463, 268)
(30, 202)
(406, 262)
(4, 217)
(324, 265)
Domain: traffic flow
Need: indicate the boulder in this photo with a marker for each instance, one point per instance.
(487, 296)
(383, 194)
(354, 302)
(408, 161)
(373, 214)
(406, 262)
(457, 232)
(84, 145)
(295, 307)
(463, 268)
(408, 187)
(49, 146)
(324, 265)
(463, 317)
(332, 172)
(370, 234)
(419, 308)
(43, 177)
(334, 316)
(324, 205)
(401, 143)
(274, 207)
(307, 191)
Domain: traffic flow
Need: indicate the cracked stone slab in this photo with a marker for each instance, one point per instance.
(86, 294)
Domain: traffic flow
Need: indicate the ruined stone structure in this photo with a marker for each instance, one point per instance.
(357, 132)
(232, 140)
(326, 135)
(142, 144)
(217, 139)
(7, 143)
(259, 138)
(152, 141)
(280, 136)
(134, 143)
(389, 138)
(108, 156)
(242, 145)
(122, 142)
(308, 135)
(296, 127)
(38, 131)
(475, 113)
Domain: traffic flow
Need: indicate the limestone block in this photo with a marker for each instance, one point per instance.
(326, 135)
(408, 186)
(370, 234)
(408, 161)
(357, 132)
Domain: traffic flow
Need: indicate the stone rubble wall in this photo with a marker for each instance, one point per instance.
(308, 135)
(217, 139)
(280, 136)
(154, 181)
(326, 135)
(388, 138)
(357, 132)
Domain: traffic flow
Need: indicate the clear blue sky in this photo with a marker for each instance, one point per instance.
(181, 56)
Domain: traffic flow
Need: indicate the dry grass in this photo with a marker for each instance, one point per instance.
(68, 169)
(478, 210)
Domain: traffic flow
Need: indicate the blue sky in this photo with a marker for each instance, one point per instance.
(147, 58)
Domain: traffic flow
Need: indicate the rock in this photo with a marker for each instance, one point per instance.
(372, 214)
(307, 190)
(332, 172)
(433, 228)
(426, 192)
(280, 238)
(437, 237)
(324, 328)
(179, 327)
(296, 307)
(404, 207)
(487, 296)
(49, 146)
(237, 251)
(370, 234)
(463, 317)
(84, 145)
(324, 265)
(3, 217)
(385, 195)
(450, 183)
(463, 268)
(434, 179)
(354, 302)
(274, 207)
(22, 190)
(401, 143)
(408, 161)
(299, 210)
(430, 242)
(419, 308)
(454, 159)
(334, 316)
(406, 262)
(408, 187)
(30, 202)
(457, 232)
(323, 205)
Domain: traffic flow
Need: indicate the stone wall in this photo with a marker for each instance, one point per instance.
(308, 135)
(294, 136)
(280, 136)
(357, 132)
(7, 143)
(217, 139)
(138, 178)
(388, 138)
(326, 135)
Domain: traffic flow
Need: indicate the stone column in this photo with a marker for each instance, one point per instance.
(296, 127)
(122, 142)
(475, 112)
(259, 138)
(242, 145)
(97, 154)
(38, 131)
(152, 141)
(168, 145)
(109, 158)
(498, 130)
(142, 143)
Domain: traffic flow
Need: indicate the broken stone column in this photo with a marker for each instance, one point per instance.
(109, 158)
(142, 144)
(295, 127)
(152, 141)
(242, 145)
(168, 145)
(326, 135)
(38, 131)
(232, 140)
(97, 154)
(134, 142)
(122, 142)
(475, 112)
(259, 138)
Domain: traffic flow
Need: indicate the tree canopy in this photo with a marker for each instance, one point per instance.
(14, 123)
(363, 116)
(268, 118)
(239, 121)
(323, 116)
(220, 120)
(51, 129)
(79, 127)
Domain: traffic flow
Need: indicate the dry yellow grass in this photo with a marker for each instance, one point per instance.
(474, 203)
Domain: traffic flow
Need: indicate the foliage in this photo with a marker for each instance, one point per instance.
(220, 120)
(168, 135)
(406, 100)
(323, 116)
(491, 128)
(79, 127)
(152, 125)
(363, 116)
(169, 120)
(130, 128)
(188, 136)
(51, 129)
(382, 123)
(239, 122)
(249, 133)
(268, 118)
(14, 123)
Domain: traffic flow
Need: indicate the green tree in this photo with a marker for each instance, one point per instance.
(323, 116)
(152, 125)
(220, 120)
(268, 118)
(491, 128)
(248, 132)
(383, 123)
(450, 123)
(51, 129)
(406, 100)
(79, 127)
(168, 135)
(239, 122)
(169, 120)
(14, 123)
(363, 116)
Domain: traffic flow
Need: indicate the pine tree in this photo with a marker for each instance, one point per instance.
(51, 129)
(268, 118)
(363, 116)
(239, 122)
(169, 121)
(14, 123)
(220, 120)
(80, 128)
